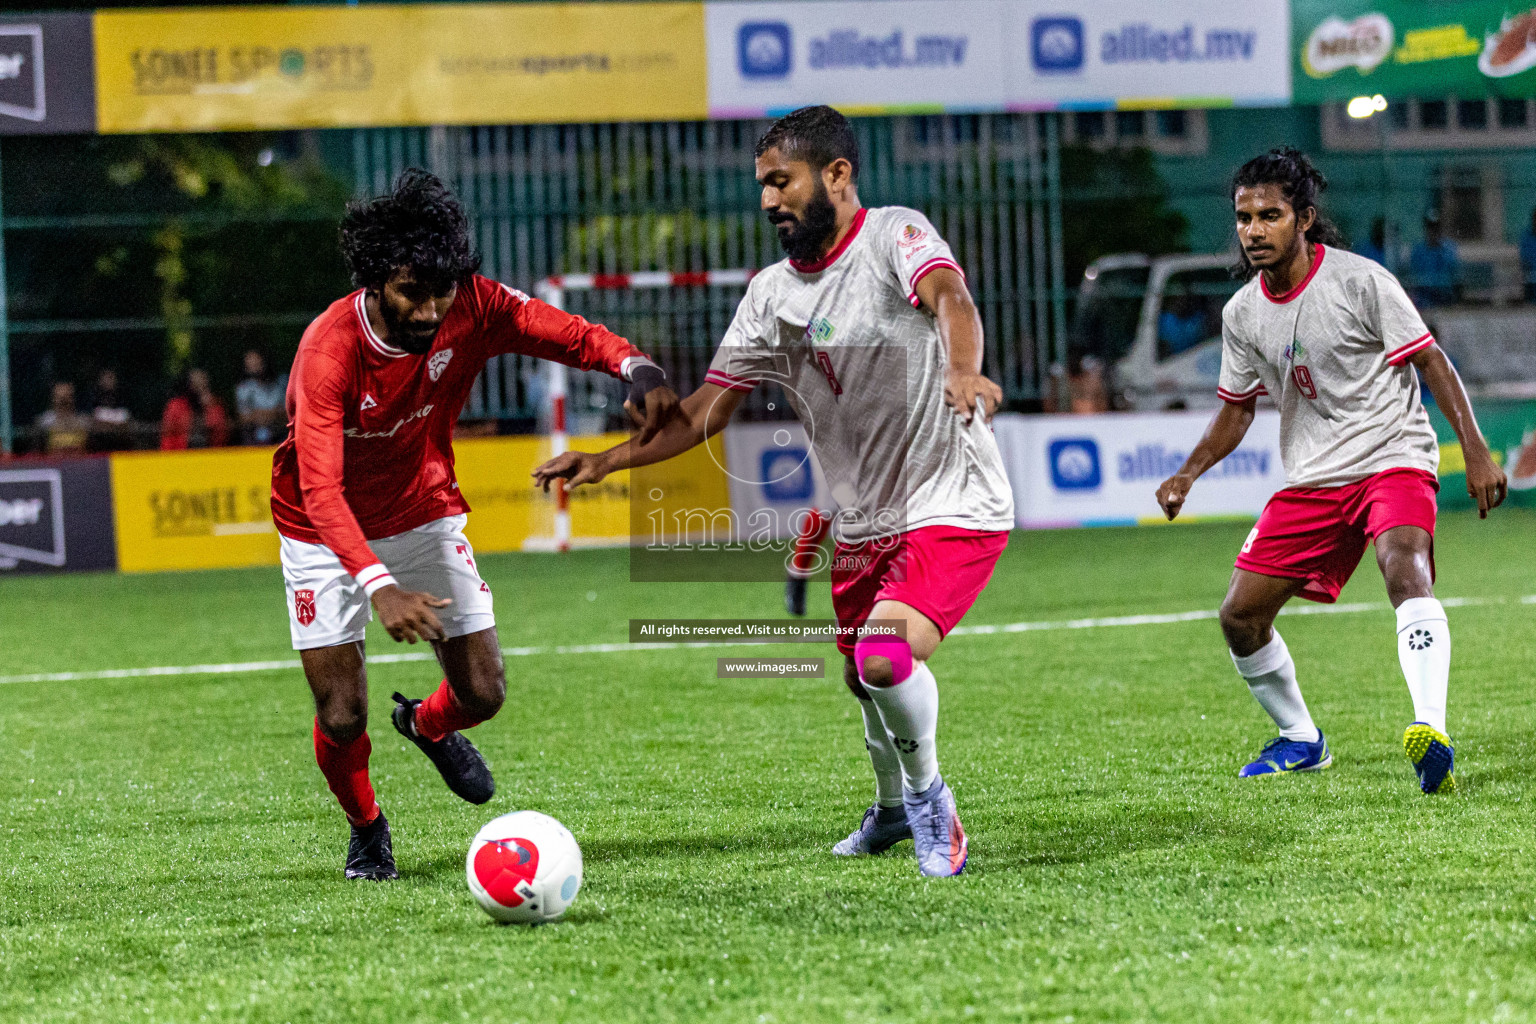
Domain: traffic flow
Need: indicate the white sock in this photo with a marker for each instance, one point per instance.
(1271, 676)
(1424, 651)
(882, 755)
(909, 712)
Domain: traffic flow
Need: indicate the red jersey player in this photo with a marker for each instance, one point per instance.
(1334, 340)
(364, 495)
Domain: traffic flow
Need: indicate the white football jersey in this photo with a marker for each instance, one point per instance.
(863, 365)
(1332, 353)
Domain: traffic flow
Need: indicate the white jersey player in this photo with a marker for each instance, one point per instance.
(1335, 341)
(870, 329)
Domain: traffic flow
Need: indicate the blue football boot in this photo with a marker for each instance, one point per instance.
(1283, 755)
(936, 831)
(881, 829)
(1433, 757)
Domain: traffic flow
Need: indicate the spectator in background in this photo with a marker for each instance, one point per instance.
(1181, 324)
(1528, 258)
(1375, 248)
(261, 402)
(1079, 387)
(65, 431)
(1436, 266)
(193, 418)
(110, 427)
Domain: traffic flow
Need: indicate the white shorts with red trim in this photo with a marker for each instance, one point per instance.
(327, 605)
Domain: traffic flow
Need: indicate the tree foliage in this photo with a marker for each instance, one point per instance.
(1115, 200)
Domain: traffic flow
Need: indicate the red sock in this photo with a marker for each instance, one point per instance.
(441, 714)
(345, 767)
(810, 538)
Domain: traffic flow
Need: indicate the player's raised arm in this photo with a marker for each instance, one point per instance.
(1226, 431)
(699, 417)
(966, 389)
(517, 323)
(1486, 482)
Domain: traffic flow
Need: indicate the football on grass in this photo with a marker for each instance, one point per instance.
(524, 868)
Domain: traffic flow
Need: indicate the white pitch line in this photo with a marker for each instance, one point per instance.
(236, 667)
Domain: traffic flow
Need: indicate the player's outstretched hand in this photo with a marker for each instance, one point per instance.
(1486, 482)
(661, 405)
(1172, 494)
(575, 468)
(970, 393)
(408, 614)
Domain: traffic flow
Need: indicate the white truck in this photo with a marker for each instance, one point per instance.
(1155, 322)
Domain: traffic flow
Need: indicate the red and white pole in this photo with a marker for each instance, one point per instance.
(552, 290)
(559, 437)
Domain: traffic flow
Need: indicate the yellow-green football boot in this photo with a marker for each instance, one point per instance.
(1433, 757)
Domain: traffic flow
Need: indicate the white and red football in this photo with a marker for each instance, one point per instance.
(524, 868)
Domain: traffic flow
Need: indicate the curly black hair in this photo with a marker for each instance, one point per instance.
(419, 226)
(1300, 183)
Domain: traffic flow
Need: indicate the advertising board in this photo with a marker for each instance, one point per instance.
(905, 56)
(56, 517)
(1105, 470)
(220, 69)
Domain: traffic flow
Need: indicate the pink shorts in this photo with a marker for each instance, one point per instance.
(1318, 534)
(939, 570)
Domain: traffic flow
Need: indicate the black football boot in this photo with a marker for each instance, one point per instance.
(370, 856)
(457, 760)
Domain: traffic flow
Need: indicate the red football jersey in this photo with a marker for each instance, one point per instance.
(369, 451)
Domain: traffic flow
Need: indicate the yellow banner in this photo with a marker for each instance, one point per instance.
(211, 509)
(193, 510)
(212, 69)
(510, 514)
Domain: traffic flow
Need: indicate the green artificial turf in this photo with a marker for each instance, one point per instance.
(169, 851)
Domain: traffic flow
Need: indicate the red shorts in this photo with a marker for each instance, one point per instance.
(1318, 534)
(939, 570)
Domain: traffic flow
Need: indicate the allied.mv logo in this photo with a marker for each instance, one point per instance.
(1056, 44)
(1075, 464)
(763, 49)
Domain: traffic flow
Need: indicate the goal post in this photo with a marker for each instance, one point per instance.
(554, 291)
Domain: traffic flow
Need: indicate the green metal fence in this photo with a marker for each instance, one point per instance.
(550, 199)
(680, 196)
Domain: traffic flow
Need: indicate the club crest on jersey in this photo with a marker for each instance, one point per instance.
(1295, 351)
(819, 331)
(368, 403)
(304, 606)
(438, 363)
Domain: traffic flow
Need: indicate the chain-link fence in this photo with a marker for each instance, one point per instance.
(680, 197)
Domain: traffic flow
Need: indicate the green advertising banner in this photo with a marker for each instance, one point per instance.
(1463, 48)
(1510, 427)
